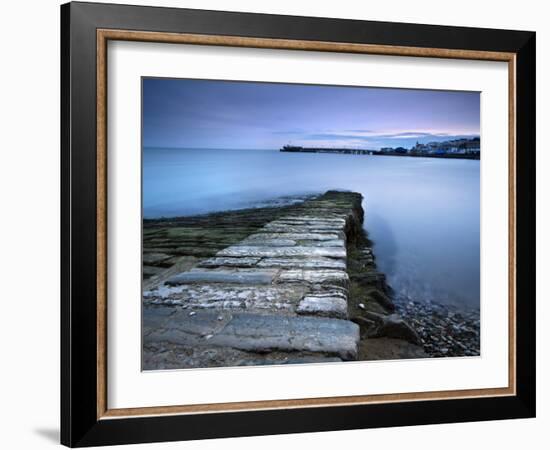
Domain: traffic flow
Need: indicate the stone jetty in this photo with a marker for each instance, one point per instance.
(279, 295)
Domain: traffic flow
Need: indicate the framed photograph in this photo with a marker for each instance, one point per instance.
(276, 224)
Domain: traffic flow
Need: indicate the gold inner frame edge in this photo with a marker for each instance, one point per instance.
(103, 36)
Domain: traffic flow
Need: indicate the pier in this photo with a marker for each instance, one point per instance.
(475, 155)
(272, 285)
(345, 151)
(278, 296)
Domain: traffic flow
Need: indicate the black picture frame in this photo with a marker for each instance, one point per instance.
(80, 425)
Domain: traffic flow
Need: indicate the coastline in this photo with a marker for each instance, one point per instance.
(363, 152)
(427, 155)
(388, 329)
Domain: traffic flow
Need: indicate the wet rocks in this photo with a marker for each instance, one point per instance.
(431, 329)
(395, 327)
(386, 349)
(444, 330)
(372, 279)
(391, 326)
(382, 299)
(384, 333)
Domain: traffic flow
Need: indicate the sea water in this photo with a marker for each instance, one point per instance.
(421, 213)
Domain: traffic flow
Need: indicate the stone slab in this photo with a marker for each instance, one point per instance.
(302, 227)
(303, 263)
(252, 240)
(236, 276)
(295, 236)
(267, 333)
(229, 262)
(332, 243)
(273, 252)
(324, 306)
(278, 295)
(324, 218)
(321, 276)
(282, 298)
(262, 333)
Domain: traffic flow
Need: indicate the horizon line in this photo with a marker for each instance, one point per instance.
(469, 136)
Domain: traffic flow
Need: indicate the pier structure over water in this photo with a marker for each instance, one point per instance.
(278, 296)
(347, 151)
(383, 152)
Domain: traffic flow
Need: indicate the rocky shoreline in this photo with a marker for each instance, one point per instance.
(431, 329)
(444, 330)
(276, 285)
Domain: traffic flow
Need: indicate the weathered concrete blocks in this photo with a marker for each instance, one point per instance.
(324, 306)
(268, 242)
(303, 263)
(278, 295)
(229, 262)
(297, 228)
(332, 243)
(294, 236)
(275, 252)
(236, 276)
(312, 220)
(321, 276)
(262, 333)
(208, 296)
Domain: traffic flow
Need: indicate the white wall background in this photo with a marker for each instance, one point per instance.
(29, 229)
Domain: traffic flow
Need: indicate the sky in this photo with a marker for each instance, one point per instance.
(182, 113)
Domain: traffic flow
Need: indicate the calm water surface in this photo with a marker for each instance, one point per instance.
(422, 214)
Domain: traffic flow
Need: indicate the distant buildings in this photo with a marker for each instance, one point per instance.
(454, 148)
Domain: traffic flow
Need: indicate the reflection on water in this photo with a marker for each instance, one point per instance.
(421, 213)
